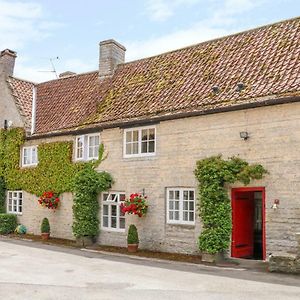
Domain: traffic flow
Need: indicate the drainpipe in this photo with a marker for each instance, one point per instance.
(33, 113)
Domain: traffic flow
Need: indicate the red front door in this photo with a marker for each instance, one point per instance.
(242, 224)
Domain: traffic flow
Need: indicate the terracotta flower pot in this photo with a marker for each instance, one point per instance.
(132, 248)
(45, 236)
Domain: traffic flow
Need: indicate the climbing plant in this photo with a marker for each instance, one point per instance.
(2, 195)
(88, 183)
(213, 174)
(55, 172)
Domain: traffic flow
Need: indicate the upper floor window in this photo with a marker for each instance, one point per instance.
(29, 156)
(112, 216)
(14, 202)
(87, 147)
(180, 206)
(140, 141)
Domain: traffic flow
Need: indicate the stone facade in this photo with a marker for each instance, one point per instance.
(274, 142)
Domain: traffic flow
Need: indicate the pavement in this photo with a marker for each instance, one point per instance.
(32, 271)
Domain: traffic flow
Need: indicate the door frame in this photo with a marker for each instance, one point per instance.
(253, 189)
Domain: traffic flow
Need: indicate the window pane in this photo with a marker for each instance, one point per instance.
(191, 205)
(128, 148)
(185, 205)
(191, 216)
(105, 197)
(144, 147)
(171, 195)
(105, 221)
(122, 223)
(135, 134)
(151, 134)
(176, 215)
(185, 216)
(171, 215)
(151, 147)
(105, 210)
(128, 136)
(177, 205)
(177, 195)
(144, 134)
(192, 195)
(113, 210)
(171, 205)
(122, 197)
(34, 155)
(185, 195)
(135, 148)
(114, 222)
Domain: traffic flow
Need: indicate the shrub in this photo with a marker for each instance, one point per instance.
(132, 237)
(8, 223)
(45, 226)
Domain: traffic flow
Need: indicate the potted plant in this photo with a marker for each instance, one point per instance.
(45, 229)
(50, 200)
(132, 239)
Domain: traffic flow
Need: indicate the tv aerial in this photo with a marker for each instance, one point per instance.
(53, 70)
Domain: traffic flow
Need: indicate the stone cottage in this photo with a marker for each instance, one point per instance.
(237, 96)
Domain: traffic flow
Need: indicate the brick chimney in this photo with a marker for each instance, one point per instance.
(111, 54)
(7, 61)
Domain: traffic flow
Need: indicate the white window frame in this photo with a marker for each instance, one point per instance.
(110, 203)
(31, 164)
(139, 154)
(180, 221)
(86, 146)
(19, 202)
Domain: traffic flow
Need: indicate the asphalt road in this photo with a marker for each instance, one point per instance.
(33, 271)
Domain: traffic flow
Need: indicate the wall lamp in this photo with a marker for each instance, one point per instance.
(244, 135)
(7, 124)
(275, 204)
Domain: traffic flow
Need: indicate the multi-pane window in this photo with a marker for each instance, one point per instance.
(14, 202)
(112, 216)
(87, 147)
(29, 156)
(180, 205)
(139, 141)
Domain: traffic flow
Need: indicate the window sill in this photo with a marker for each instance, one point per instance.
(14, 213)
(113, 230)
(29, 166)
(185, 225)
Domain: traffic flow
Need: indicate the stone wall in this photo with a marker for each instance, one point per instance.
(274, 142)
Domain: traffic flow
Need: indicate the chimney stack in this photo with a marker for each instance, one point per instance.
(7, 61)
(111, 54)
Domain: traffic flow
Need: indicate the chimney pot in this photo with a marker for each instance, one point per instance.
(111, 54)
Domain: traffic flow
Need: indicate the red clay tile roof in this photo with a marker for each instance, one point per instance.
(266, 60)
(66, 102)
(22, 91)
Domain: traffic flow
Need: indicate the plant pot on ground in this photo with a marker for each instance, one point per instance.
(132, 239)
(45, 229)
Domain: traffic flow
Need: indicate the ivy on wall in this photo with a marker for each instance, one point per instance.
(2, 195)
(55, 170)
(213, 174)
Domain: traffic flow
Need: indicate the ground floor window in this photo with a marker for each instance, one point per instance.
(14, 202)
(180, 205)
(112, 216)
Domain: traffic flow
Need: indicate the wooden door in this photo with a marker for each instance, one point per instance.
(242, 224)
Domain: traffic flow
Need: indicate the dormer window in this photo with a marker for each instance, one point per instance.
(140, 141)
(29, 156)
(87, 147)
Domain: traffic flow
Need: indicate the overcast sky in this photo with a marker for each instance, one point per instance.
(72, 29)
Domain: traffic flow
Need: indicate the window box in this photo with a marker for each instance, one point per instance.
(139, 142)
(181, 206)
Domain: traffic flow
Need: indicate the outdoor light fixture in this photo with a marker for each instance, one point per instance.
(244, 135)
(275, 204)
(7, 124)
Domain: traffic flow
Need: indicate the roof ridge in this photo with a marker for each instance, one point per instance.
(68, 77)
(209, 41)
(21, 79)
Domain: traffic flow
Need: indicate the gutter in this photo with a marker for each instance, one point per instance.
(172, 116)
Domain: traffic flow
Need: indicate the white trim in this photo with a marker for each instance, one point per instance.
(110, 203)
(33, 111)
(139, 154)
(31, 164)
(17, 199)
(85, 147)
(180, 209)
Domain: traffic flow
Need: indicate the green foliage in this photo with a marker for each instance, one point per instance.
(2, 195)
(21, 229)
(214, 204)
(86, 186)
(45, 226)
(132, 236)
(8, 223)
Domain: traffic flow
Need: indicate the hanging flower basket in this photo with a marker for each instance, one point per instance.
(49, 199)
(135, 205)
